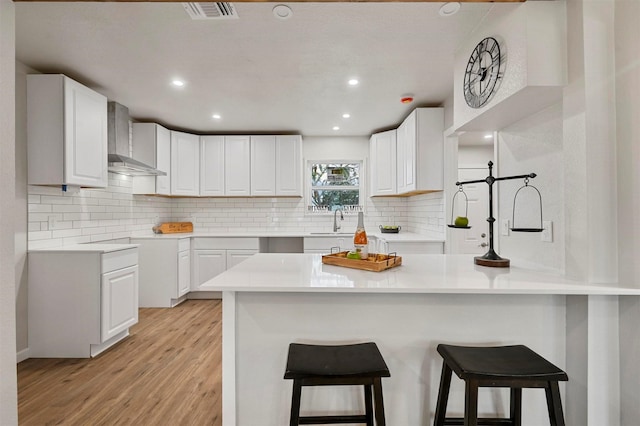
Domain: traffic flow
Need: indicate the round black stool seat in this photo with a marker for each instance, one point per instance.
(515, 367)
(323, 365)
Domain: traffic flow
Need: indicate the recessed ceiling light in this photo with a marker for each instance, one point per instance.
(336, 128)
(282, 11)
(216, 116)
(346, 115)
(353, 82)
(177, 83)
(449, 9)
(488, 136)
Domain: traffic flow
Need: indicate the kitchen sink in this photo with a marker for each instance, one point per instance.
(337, 234)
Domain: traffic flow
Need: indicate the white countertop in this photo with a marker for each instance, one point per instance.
(452, 274)
(88, 248)
(401, 236)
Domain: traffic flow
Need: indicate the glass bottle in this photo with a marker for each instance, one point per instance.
(360, 240)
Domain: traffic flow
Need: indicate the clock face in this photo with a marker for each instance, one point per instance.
(483, 72)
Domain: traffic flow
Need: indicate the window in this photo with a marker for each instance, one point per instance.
(334, 185)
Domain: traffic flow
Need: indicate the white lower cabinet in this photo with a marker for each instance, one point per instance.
(207, 263)
(236, 256)
(119, 301)
(165, 271)
(184, 272)
(81, 302)
(214, 255)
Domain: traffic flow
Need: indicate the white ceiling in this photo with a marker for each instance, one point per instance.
(259, 73)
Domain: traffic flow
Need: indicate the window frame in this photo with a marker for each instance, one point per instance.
(309, 188)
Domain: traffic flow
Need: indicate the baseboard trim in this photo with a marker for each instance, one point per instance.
(204, 295)
(22, 355)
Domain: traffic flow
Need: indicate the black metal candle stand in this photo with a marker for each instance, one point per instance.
(491, 258)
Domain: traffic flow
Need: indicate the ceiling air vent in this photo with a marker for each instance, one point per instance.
(213, 10)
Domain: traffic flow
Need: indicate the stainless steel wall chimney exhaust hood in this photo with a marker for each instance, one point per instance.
(119, 145)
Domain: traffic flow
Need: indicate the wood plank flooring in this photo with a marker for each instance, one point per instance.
(167, 372)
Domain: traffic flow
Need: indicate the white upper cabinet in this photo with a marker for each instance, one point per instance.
(289, 166)
(185, 164)
(382, 151)
(152, 146)
(263, 165)
(420, 152)
(276, 165)
(212, 166)
(67, 132)
(237, 160)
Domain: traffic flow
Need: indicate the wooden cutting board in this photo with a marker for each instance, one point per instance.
(173, 227)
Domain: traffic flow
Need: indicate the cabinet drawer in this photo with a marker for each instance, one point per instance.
(119, 302)
(184, 244)
(226, 243)
(119, 259)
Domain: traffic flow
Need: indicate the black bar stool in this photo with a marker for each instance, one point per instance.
(514, 367)
(321, 365)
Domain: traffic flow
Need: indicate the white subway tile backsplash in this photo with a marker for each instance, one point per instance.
(39, 208)
(39, 235)
(104, 214)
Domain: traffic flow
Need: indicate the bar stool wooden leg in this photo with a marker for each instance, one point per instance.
(443, 396)
(294, 419)
(368, 405)
(471, 403)
(516, 406)
(554, 404)
(379, 403)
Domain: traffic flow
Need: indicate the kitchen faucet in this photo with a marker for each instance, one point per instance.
(336, 227)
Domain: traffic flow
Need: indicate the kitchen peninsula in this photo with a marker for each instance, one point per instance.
(271, 300)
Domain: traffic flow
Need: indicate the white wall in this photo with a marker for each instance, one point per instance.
(474, 155)
(627, 78)
(8, 382)
(21, 209)
(533, 145)
(627, 73)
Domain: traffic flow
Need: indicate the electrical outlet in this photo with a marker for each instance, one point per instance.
(504, 229)
(547, 231)
(51, 222)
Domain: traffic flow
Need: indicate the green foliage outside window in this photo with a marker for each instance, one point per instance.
(335, 185)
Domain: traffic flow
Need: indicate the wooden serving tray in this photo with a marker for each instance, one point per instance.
(375, 262)
(173, 227)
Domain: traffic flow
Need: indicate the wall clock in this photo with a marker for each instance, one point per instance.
(484, 71)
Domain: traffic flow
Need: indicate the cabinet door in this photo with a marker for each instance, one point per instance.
(184, 273)
(237, 160)
(185, 164)
(236, 256)
(382, 150)
(207, 264)
(406, 161)
(263, 165)
(163, 160)
(85, 136)
(212, 167)
(289, 166)
(119, 302)
(401, 156)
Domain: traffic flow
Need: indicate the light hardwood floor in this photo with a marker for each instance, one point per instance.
(167, 372)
